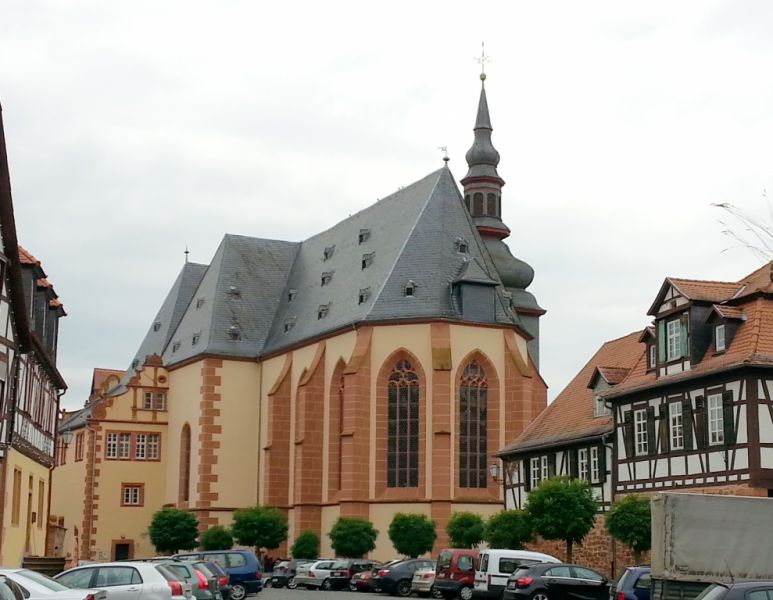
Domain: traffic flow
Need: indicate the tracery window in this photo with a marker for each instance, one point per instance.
(403, 426)
(473, 427)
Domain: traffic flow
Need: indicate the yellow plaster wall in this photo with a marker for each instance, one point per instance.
(14, 536)
(381, 516)
(183, 405)
(237, 484)
(67, 491)
(329, 516)
(270, 370)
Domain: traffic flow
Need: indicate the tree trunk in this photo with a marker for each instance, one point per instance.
(569, 551)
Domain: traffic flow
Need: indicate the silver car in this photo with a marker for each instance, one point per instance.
(314, 575)
(128, 581)
(36, 586)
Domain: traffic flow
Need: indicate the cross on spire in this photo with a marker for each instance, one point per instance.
(483, 60)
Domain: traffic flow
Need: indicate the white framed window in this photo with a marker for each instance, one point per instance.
(653, 356)
(141, 446)
(148, 401)
(716, 422)
(601, 409)
(582, 463)
(595, 472)
(534, 468)
(132, 495)
(154, 443)
(124, 445)
(111, 448)
(640, 431)
(160, 401)
(675, 425)
(544, 467)
(719, 337)
(673, 339)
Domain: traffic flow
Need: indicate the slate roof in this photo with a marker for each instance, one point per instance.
(570, 416)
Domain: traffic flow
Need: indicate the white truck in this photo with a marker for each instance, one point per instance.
(698, 539)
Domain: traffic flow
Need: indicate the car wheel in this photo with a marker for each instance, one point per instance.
(326, 585)
(465, 593)
(238, 591)
(539, 595)
(436, 593)
(403, 588)
(352, 586)
(291, 583)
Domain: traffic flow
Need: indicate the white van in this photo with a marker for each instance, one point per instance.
(495, 566)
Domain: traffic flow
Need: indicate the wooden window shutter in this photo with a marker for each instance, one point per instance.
(652, 446)
(527, 473)
(661, 341)
(628, 434)
(727, 418)
(664, 433)
(573, 471)
(685, 334)
(701, 428)
(602, 463)
(687, 423)
(552, 464)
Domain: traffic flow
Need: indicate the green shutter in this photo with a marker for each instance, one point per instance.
(685, 334)
(701, 425)
(687, 428)
(552, 464)
(602, 463)
(527, 473)
(727, 418)
(652, 445)
(661, 341)
(628, 434)
(665, 433)
(572, 453)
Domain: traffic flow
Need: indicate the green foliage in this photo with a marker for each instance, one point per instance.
(172, 529)
(216, 538)
(259, 526)
(629, 520)
(465, 529)
(562, 509)
(509, 529)
(305, 545)
(351, 537)
(412, 534)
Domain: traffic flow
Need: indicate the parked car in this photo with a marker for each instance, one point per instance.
(222, 578)
(315, 574)
(423, 582)
(203, 582)
(396, 577)
(495, 566)
(242, 566)
(36, 586)
(342, 571)
(455, 572)
(548, 581)
(633, 584)
(9, 590)
(743, 590)
(284, 572)
(124, 580)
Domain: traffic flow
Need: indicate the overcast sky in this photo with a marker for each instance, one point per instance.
(137, 128)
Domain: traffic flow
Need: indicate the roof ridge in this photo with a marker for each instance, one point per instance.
(703, 280)
(767, 265)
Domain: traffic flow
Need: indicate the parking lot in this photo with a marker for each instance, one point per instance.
(298, 594)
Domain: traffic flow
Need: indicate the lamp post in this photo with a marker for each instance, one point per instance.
(494, 470)
(66, 437)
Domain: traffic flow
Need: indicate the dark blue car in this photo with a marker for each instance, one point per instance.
(242, 566)
(633, 584)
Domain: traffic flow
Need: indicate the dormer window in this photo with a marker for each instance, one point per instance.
(673, 339)
(367, 260)
(327, 254)
(199, 302)
(410, 289)
(135, 363)
(461, 245)
(323, 311)
(291, 295)
(234, 292)
(364, 235)
(156, 325)
(196, 338)
(364, 295)
(651, 356)
(289, 323)
(327, 277)
(719, 337)
(175, 346)
(234, 333)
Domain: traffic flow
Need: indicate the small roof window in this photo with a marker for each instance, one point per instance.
(196, 338)
(289, 324)
(234, 333)
(364, 295)
(291, 294)
(327, 254)
(135, 363)
(461, 245)
(367, 259)
(199, 302)
(323, 311)
(410, 289)
(364, 235)
(327, 277)
(175, 346)
(156, 325)
(234, 292)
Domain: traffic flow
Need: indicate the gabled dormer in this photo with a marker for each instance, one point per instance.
(650, 339)
(602, 379)
(724, 322)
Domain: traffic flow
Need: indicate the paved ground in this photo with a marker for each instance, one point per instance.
(298, 594)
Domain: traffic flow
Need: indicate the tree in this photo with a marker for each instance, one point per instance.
(172, 529)
(306, 545)
(562, 509)
(509, 529)
(629, 521)
(412, 534)
(352, 537)
(465, 529)
(216, 538)
(751, 231)
(259, 526)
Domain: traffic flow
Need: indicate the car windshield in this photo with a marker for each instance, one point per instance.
(43, 580)
(713, 592)
(444, 560)
(168, 574)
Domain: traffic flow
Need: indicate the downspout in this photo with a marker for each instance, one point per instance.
(51, 470)
(612, 476)
(91, 468)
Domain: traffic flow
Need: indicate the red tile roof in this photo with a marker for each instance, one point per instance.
(728, 312)
(26, 258)
(711, 291)
(570, 415)
(100, 376)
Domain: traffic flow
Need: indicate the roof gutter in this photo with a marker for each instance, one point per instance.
(553, 444)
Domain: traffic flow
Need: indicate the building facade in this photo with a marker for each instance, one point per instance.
(373, 368)
(30, 386)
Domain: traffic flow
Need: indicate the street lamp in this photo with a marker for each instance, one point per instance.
(66, 437)
(494, 469)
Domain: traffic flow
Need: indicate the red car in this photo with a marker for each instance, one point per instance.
(455, 573)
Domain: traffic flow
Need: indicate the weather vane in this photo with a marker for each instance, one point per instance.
(483, 60)
(444, 150)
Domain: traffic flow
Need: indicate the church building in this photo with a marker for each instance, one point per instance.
(376, 367)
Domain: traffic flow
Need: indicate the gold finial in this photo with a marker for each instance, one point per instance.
(482, 60)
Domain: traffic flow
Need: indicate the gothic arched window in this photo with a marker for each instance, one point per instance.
(403, 426)
(491, 201)
(473, 427)
(477, 205)
(185, 464)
